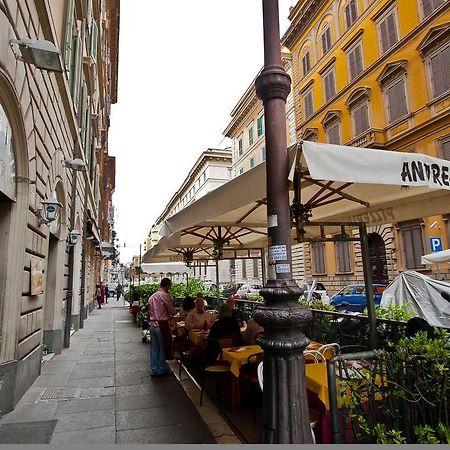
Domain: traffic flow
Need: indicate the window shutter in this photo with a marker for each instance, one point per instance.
(427, 7)
(326, 40)
(439, 64)
(348, 19)
(384, 36)
(308, 104)
(445, 149)
(333, 134)
(330, 86)
(255, 268)
(93, 43)
(259, 125)
(353, 11)
(319, 259)
(361, 115)
(306, 63)
(76, 78)
(352, 64)
(358, 59)
(68, 33)
(263, 152)
(392, 30)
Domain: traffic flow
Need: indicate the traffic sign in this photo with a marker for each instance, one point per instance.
(436, 244)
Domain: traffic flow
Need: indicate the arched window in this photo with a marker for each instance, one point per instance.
(306, 59)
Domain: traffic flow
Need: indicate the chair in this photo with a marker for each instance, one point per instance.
(314, 416)
(315, 355)
(220, 368)
(249, 376)
(330, 350)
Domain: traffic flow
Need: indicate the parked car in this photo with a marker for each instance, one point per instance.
(112, 289)
(353, 297)
(208, 285)
(230, 289)
(247, 290)
(318, 290)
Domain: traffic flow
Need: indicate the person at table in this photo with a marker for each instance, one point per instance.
(249, 334)
(161, 309)
(229, 309)
(199, 318)
(227, 327)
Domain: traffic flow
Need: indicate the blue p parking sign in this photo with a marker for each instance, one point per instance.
(435, 244)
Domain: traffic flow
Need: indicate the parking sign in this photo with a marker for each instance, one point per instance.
(435, 244)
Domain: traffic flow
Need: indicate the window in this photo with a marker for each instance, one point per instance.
(355, 61)
(343, 257)
(308, 104)
(360, 115)
(241, 170)
(396, 100)
(445, 148)
(244, 269)
(333, 133)
(255, 269)
(329, 85)
(306, 63)
(351, 13)
(326, 40)
(412, 244)
(439, 64)
(318, 253)
(240, 146)
(260, 125)
(263, 153)
(252, 162)
(310, 134)
(250, 135)
(387, 29)
(428, 6)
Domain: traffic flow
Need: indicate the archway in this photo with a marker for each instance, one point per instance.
(378, 260)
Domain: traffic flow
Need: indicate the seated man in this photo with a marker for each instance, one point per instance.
(253, 328)
(229, 309)
(198, 318)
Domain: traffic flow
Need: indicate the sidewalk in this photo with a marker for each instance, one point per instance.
(99, 392)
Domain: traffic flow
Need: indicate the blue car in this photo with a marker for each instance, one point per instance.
(353, 297)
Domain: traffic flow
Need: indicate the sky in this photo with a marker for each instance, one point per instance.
(183, 66)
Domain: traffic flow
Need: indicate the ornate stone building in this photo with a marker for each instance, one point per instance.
(48, 118)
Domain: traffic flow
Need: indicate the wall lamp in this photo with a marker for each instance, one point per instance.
(42, 54)
(50, 210)
(73, 236)
(76, 164)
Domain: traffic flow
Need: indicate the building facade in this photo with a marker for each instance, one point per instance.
(46, 119)
(374, 74)
(211, 170)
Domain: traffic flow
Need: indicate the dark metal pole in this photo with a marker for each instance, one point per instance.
(69, 298)
(285, 406)
(369, 287)
(140, 257)
(84, 256)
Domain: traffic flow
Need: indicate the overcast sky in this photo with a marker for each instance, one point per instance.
(183, 66)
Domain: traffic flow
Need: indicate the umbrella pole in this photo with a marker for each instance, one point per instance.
(217, 281)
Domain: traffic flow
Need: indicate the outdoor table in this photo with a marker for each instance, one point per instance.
(237, 357)
(196, 336)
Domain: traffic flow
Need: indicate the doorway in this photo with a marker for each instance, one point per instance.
(378, 259)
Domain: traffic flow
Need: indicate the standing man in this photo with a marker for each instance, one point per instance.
(98, 296)
(161, 309)
(106, 293)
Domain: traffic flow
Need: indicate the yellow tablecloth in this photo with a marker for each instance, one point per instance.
(238, 359)
(196, 336)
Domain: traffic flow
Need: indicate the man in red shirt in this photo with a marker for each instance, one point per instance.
(161, 309)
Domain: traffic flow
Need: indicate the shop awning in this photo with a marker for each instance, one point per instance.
(335, 183)
(437, 257)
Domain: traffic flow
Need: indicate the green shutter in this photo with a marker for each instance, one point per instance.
(259, 126)
(76, 76)
(68, 33)
(93, 43)
(83, 112)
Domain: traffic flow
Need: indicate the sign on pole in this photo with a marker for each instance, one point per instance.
(436, 244)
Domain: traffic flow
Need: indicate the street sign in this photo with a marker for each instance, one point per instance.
(435, 244)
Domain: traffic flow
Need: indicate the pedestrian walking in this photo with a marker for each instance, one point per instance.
(106, 293)
(102, 292)
(161, 309)
(98, 295)
(119, 291)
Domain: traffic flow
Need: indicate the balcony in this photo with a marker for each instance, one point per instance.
(373, 137)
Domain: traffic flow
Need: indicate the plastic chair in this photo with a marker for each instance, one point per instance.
(314, 416)
(330, 350)
(316, 355)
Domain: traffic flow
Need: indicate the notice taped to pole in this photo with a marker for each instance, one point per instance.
(282, 268)
(277, 253)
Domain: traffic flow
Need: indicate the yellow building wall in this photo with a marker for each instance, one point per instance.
(428, 120)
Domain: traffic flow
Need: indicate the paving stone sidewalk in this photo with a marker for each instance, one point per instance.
(99, 392)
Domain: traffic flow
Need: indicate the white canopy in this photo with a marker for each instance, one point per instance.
(437, 257)
(370, 188)
(169, 267)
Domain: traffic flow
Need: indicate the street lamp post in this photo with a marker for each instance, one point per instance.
(285, 407)
(76, 165)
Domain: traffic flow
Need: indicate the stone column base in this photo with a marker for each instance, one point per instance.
(54, 340)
